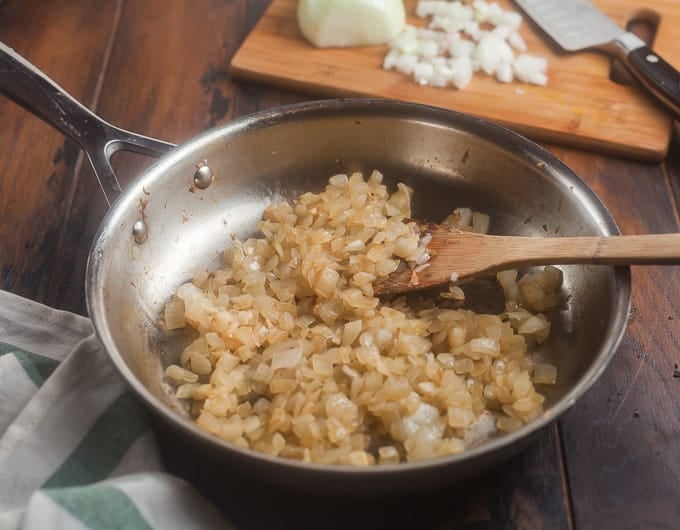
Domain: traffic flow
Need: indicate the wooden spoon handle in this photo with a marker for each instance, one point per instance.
(467, 254)
(656, 249)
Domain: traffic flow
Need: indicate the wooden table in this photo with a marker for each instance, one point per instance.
(161, 68)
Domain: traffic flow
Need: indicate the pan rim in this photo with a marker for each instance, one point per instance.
(524, 148)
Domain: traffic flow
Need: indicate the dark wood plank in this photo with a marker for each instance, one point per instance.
(37, 164)
(524, 493)
(168, 78)
(672, 167)
(622, 441)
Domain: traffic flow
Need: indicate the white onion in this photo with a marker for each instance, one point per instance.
(422, 72)
(517, 42)
(485, 346)
(453, 46)
(391, 59)
(345, 23)
(406, 63)
(531, 69)
(287, 358)
(508, 281)
(491, 51)
(504, 73)
(462, 71)
(426, 417)
(534, 324)
(472, 28)
(174, 315)
(480, 223)
(483, 428)
(545, 374)
(461, 48)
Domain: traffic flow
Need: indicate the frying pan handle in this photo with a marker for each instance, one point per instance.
(29, 87)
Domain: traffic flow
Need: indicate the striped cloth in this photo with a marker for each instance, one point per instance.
(76, 449)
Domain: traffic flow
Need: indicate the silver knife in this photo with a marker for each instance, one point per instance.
(578, 25)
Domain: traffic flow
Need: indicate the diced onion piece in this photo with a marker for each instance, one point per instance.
(297, 358)
(485, 346)
(406, 63)
(185, 391)
(388, 454)
(534, 324)
(545, 374)
(483, 428)
(480, 223)
(461, 48)
(200, 364)
(325, 282)
(504, 72)
(454, 293)
(287, 358)
(462, 71)
(174, 314)
(351, 332)
(460, 418)
(263, 373)
(423, 73)
(345, 23)
(391, 59)
(425, 418)
(531, 69)
(430, 54)
(491, 51)
(359, 458)
(507, 424)
(338, 406)
(180, 375)
(508, 281)
(517, 42)
(322, 365)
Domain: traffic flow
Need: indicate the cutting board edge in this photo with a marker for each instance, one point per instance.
(594, 144)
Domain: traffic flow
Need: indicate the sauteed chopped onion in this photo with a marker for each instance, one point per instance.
(295, 356)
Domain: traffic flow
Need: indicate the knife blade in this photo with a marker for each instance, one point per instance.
(579, 25)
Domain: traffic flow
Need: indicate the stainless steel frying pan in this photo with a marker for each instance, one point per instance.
(174, 218)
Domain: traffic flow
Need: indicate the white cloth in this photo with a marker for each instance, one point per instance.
(76, 448)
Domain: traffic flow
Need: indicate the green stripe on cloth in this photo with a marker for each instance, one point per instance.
(105, 444)
(100, 507)
(37, 367)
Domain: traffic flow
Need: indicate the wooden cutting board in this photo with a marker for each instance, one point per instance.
(580, 106)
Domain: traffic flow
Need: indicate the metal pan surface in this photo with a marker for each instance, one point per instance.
(172, 220)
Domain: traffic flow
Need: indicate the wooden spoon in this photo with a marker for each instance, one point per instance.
(467, 254)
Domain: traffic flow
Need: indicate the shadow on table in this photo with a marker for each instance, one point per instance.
(526, 492)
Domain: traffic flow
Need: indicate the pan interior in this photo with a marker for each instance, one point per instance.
(450, 160)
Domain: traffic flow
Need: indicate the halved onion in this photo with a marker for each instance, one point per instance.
(345, 23)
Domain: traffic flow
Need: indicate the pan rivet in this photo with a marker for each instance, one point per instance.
(139, 232)
(203, 177)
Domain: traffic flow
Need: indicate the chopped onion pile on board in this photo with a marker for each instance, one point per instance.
(462, 39)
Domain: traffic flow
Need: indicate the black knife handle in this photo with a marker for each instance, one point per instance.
(660, 78)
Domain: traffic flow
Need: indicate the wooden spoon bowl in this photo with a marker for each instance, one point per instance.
(457, 255)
